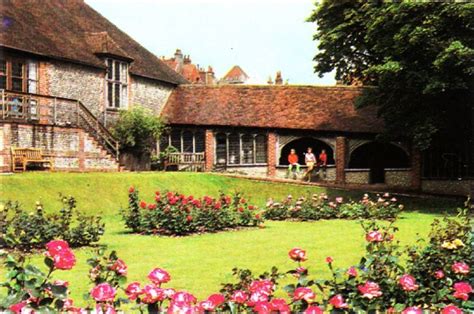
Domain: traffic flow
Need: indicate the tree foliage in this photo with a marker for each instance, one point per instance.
(417, 56)
(137, 130)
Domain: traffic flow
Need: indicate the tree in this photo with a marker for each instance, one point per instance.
(417, 58)
(137, 130)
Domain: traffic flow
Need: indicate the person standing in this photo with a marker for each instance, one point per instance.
(293, 162)
(310, 161)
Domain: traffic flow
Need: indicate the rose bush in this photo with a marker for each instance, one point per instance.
(379, 282)
(177, 214)
(319, 206)
(26, 231)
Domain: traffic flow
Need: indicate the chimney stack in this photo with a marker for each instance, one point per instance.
(278, 78)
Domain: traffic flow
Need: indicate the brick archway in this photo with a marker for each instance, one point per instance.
(300, 144)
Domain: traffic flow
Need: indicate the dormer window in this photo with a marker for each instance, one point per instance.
(117, 84)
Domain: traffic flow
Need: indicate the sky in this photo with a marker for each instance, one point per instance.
(262, 36)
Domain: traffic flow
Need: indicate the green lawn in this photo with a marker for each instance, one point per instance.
(200, 263)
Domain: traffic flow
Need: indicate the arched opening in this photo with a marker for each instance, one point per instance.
(377, 157)
(301, 145)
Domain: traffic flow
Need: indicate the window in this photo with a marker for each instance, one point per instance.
(117, 84)
(19, 75)
(241, 148)
(185, 141)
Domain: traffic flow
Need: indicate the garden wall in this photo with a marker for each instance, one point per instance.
(398, 177)
(71, 149)
(282, 172)
(254, 171)
(448, 187)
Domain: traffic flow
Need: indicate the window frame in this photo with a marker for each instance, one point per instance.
(240, 135)
(168, 140)
(118, 79)
(25, 74)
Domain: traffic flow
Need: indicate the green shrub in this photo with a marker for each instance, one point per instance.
(29, 230)
(319, 206)
(177, 214)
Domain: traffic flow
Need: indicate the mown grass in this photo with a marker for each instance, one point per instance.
(200, 263)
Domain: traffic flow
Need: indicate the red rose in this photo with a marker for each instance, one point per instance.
(462, 290)
(151, 206)
(297, 254)
(216, 298)
(460, 268)
(64, 260)
(412, 310)
(159, 276)
(56, 246)
(239, 297)
(370, 290)
(338, 302)
(227, 199)
(217, 205)
(131, 189)
(374, 236)
(280, 306)
(263, 307)
(451, 309)
(157, 192)
(329, 260)
(439, 274)
(133, 290)
(304, 293)
(352, 271)
(143, 204)
(265, 286)
(189, 218)
(173, 200)
(313, 309)
(251, 207)
(18, 307)
(152, 294)
(119, 267)
(103, 292)
(408, 283)
(157, 198)
(241, 209)
(257, 216)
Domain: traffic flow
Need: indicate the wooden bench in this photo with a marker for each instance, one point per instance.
(21, 157)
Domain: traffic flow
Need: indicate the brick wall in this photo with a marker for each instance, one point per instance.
(271, 154)
(209, 150)
(70, 149)
(341, 155)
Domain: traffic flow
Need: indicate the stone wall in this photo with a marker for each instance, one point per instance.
(149, 93)
(253, 171)
(357, 176)
(77, 82)
(330, 176)
(448, 187)
(71, 149)
(398, 177)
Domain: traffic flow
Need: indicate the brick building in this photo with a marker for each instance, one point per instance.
(65, 80)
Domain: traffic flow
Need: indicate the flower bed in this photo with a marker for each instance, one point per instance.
(436, 278)
(176, 214)
(319, 206)
(26, 231)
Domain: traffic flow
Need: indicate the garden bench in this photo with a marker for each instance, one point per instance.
(21, 157)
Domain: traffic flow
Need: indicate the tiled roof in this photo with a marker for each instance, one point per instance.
(276, 107)
(235, 75)
(71, 30)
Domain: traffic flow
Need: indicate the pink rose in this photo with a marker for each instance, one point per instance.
(451, 309)
(217, 299)
(159, 276)
(304, 293)
(280, 306)
(263, 307)
(183, 297)
(256, 297)
(181, 308)
(370, 290)
(56, 246)
(460, 268)
(439, 274)
(64, 260)
(313, 309)
(339, 200)
(103, 292)
(119, 267)
(264, 286)
(58, 282)
(329, 260)
(412, 310)
(133, 290)
(462, 290)
(352, 271)
(239, 297)
(338, 302)
(374, 236)
(152, 294)
(408, 283)
(169, 292)
(297, 254)
(18, 307)
(206, 305)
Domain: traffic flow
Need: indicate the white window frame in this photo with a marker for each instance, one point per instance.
(121, 83)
